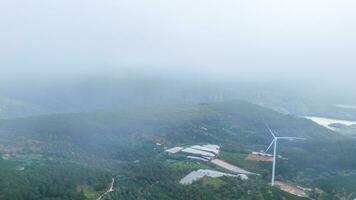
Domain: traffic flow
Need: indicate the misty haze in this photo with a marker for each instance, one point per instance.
(186, 100)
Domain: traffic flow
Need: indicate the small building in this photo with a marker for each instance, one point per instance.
(6, 157)
(190, 150)
(211, 150)
(199, 174)
(174, 150)
(212, 146)
(262, 154)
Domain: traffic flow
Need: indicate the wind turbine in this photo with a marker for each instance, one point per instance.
(274, 142)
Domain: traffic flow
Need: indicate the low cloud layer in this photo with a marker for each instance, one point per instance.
(252, 39)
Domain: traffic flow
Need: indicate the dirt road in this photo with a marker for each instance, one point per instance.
(108, 191)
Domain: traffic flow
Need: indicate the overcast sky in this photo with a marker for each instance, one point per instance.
(272, 39)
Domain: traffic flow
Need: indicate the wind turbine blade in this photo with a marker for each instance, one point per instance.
(270, 130)
(291, 138)
(270, 145)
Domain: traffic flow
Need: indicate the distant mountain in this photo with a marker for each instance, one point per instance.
(97, 93)
(14, 108)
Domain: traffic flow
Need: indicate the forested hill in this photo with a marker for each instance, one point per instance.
(108, 142)
(234, 122)
(179, 123)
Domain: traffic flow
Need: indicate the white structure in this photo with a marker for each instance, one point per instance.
(203, 128)
(208, 158)
(198, 152)
(205, 151)
(212, 146)
(174, 150)
(274, 142)
(211, 150)
(262, 154)
(191, 177)
(196, 175)
(229, 167)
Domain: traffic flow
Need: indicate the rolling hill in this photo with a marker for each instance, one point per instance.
(122, 143)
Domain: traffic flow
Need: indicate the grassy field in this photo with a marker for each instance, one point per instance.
(89, 192)
(215, 182)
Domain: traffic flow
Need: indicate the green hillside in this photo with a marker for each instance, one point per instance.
(122, 144)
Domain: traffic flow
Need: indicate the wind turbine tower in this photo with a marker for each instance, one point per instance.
(274, 143)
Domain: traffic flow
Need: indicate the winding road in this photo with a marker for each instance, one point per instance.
(108, 191)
